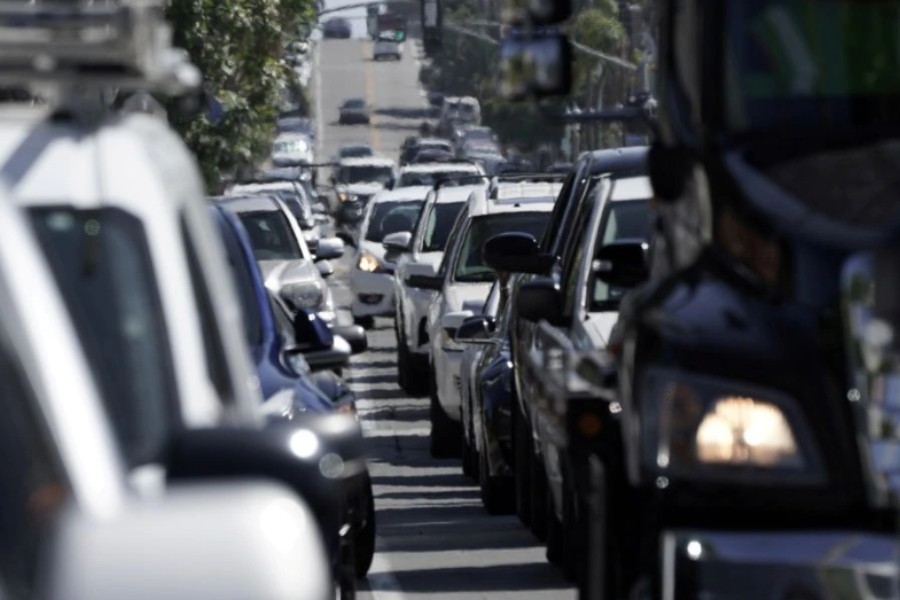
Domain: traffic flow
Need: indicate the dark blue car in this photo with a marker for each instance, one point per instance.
(277, 354)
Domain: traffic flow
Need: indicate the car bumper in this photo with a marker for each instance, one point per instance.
(715, 565)
(373, 294)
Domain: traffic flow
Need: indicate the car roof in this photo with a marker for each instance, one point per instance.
(249, 203)
(631, 188)
(456, 194)
(243, 189)
(404, 194)
(617, 159)
(440, 167)
(367, 161)
(433, 141)
(515, 197)
(354, 145)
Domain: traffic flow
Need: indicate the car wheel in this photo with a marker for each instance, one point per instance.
(366, 322)
(496, 494)
(444, 431)
(522, 457)
(364, 537)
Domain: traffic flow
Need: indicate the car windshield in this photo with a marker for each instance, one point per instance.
(355, 104)
(366, 174)
(801, 65)
(101, 262)
(418, 178)
(623, 220)
(470, 265)
(290, 146)
(271, 236)
(392, 217)
(440, 222)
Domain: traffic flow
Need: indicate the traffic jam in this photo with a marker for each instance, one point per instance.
(449, 299)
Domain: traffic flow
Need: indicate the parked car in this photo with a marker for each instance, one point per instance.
(463, 282)
(72, 514)
(371, 277)
(336, 27)
(387, 50)
(353, 111)
(288, 267)
(420, 254)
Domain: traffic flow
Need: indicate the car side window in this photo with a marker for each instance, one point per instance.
(548, 243)
(573, 254)
(33, 487)
(216, 362)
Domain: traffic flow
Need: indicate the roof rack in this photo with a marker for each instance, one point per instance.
(102, 44)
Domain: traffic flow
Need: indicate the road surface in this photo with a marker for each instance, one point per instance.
(434, 538)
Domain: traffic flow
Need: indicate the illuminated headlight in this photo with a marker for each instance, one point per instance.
(344, 196)
(705, 428)
(304, 295)
(368, 263)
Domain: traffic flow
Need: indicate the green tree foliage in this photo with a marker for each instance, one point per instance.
(237, 44)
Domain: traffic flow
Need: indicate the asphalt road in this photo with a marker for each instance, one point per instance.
(434, 537)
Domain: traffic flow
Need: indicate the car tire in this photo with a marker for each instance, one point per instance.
(539, 497)
(364, 537)
(444, 431)
(556, 542)
(496, 493)
(366, 322)
(521, 459)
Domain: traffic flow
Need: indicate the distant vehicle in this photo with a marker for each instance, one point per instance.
(337, 27)
(356, 150)
(413, 145)
(302, 125)
(294, 197)
(387, 50)
(430, 173)
(353, 110)
(356, 181)
(457, 111)
(432, 155)
(371, 279)
(291, 149)
(477, 147)
(468, 133)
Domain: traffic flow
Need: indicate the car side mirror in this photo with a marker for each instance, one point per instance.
(426, 282)
(311, 332)
(474, 330)
(355, 336)
(516, 253)
(334, 357)
(397, 242)
(223, 530)
(329, 248)
(452, 321)
(622, 263)
(540, 299)
(325, 269)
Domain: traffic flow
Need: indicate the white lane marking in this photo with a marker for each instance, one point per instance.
(381, 579)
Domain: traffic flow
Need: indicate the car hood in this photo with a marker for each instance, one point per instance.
(277, 273)
(466, 296)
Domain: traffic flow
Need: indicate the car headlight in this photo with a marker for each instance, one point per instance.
(699, 427)
(368, 263)
(304, 295)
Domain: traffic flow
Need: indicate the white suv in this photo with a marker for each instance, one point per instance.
(464, 281)
(421, 254)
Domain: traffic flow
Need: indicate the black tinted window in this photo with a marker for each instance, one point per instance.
(392, 217)
(440, 222)
(271, 236)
